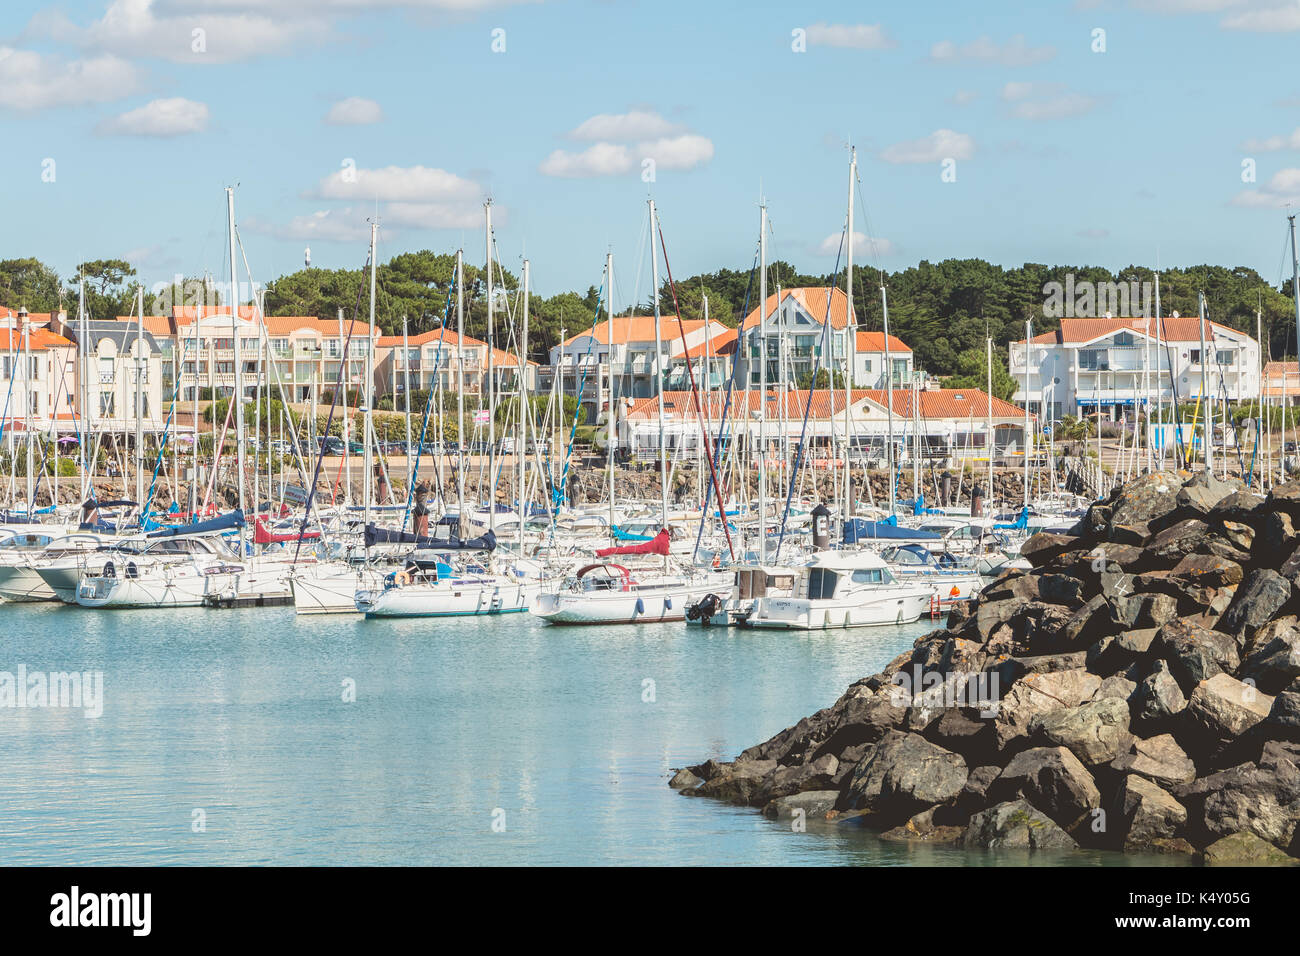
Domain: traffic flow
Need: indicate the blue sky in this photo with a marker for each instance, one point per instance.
(1062, 154)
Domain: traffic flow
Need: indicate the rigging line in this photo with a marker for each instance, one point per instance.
(726, 407)
(803, 431)
(329, 421)
(582, 388)
(695, 393)
(428, 407)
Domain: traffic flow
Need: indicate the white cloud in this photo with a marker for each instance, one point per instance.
(168, 117)
(964, 97)
(1015, 52)
(402, 183)
(857, 36)
(1283, 189)
(600, 159)
(678, 152)
(939, 145)
(636, 124)
(1045, 101)
(862, 244)
(1272, 19)
(132, 28)
(354, 111)
(325, 225)
(1186, 6)
(33, 81)
(1273, 143)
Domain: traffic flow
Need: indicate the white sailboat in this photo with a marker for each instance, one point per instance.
(839, 589)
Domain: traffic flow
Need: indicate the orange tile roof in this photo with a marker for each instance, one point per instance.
(37, 339)
(959, 403)
(722, 344)
(875, 342)
(948, 403)
(640, 328)
(1171, 329)
(813, 301)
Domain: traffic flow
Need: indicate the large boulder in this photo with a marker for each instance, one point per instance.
(1259, 598)
(904, 773)
(809, 805)
(1158, 701)
(1146, 813)
(1262, 797)
(1039, 694)
(740, 782)
(1158, 759)
(1245, 849)
(1202, 492)
(1151, 496)
(816, 774)
(1042, 547)
(1096, 731)
(1177, 540)
(1054, 781)
(1015, 825)
(1223, 708)
(1195, 652)
(1276, 664)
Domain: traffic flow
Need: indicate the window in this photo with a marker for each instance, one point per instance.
(867, 576)
(1195, 356)
(1094, 360)
(106, 403)
(226, 344)
(821, 583)
(1124, 340)
(1226, 356)
(105, 370)
(333, 348)
(868, 364)
(280, 346)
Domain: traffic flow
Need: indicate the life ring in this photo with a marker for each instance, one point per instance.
(402, 578)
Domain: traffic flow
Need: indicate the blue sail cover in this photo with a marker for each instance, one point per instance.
(860, 529)
(220, 523)
(376, 535)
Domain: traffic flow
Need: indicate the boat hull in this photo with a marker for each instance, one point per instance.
(647, 606)
(452, 599)
(801, 614)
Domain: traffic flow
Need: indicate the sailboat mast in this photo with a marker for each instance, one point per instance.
(612, 414)
(762, 383)
(367, 459)
(1208, 422)
(521, 434)
(1029, 435)
(460, 393)
(658, 363)
(238, 396)
(889, 396)
(492, 399)
(850, 346)
(139, 400)
(992, 438)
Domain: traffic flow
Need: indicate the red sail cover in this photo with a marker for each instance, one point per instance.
(656, 545)
(261, 535)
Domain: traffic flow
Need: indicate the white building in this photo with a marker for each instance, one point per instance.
(1111, 365)
(797, 341)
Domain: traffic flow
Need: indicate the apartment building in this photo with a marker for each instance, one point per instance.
(1112, 365)
(439, 358)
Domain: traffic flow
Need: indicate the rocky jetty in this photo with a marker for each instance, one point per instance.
(1137, 690)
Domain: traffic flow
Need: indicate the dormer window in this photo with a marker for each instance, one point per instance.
(1124, 340)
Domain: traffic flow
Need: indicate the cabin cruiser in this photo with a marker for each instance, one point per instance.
(843, 589)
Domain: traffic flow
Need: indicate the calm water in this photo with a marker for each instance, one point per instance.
(241, 714)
